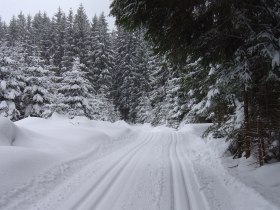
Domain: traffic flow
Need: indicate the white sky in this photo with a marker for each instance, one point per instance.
(8, 8)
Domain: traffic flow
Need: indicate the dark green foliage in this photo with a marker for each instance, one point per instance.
(181, 28)
(239, 41)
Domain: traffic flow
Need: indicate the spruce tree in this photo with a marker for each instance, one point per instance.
(74, 92)
(11, 82)
(68, 57)
(58, 36)
(36, 98)
(81, 35)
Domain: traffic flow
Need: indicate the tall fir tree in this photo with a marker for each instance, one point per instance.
(81, 35)
(36, 98)
(74, 92)
(58, 36)
(11, 81)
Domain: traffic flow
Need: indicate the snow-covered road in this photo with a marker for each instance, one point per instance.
(121, 168)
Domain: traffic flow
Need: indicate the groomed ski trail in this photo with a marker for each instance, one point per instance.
(149, 174)
(148, 169)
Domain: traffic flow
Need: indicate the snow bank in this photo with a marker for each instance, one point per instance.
(38, 145)
(55, 116)
(195, 129)
(263, 180)
(238, 182)
(7, 131)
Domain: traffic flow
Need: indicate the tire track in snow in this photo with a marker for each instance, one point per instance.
(119, 165)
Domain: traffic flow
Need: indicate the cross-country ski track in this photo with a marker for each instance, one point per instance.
(140, 168)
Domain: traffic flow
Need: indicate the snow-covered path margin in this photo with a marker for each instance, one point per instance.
(62, 164)
(222, 190)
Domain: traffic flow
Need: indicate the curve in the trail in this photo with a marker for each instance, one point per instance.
(113, 171)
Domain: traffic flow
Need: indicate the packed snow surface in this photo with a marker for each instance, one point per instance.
(78, 164)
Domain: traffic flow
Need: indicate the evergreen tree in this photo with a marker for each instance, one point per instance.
(81, 35)
(102, 57)
(139, 74)
(125, 50)
(160, 72)
(68, 41)
(11, 83)
(13, 31)
(58, 35)
(22, 28)
(74, 94)
(36, 98)
(3, 31)
(92, 54)
(41, 36)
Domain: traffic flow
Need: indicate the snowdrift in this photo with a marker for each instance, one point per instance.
(7, 132)
(32, 146)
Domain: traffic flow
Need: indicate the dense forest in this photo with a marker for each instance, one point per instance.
(230, 51)
(76, 66)
(73, 66)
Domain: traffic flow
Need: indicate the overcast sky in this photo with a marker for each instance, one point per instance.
(8, 8)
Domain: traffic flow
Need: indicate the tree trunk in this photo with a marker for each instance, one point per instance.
(247, 143)
(260, 142)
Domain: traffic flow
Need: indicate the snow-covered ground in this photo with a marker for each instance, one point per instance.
(62, 164)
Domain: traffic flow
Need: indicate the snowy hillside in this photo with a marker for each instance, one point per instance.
(62, 164)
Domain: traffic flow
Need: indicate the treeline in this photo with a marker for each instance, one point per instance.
(74, 66)
(230, 52)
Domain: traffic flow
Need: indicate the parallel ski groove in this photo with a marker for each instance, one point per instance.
(181, 167)
(126, 157)
(133, 160)
(190, 176)
(172, 203)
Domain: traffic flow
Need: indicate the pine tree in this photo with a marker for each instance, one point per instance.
(41, 36)
(36, 98)
(11, 84)
(125, 50)
(13, 31)
(159, 76)
(92, 54)
(22, 28)
(81, 35)
(74, 94)
(68, 41)
(3, 31)
(139, 74)
(58, 35)
(103, 57)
